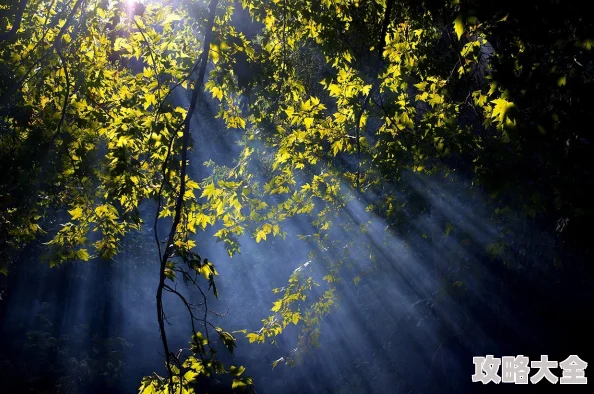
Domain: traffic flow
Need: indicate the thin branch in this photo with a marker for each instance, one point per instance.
(66, 95)
(186, 303)
(382, 44)
(169, 249)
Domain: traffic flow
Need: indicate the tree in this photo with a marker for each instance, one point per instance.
(347, 99)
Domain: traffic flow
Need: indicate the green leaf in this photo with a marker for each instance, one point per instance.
(238, 384)
(82, 254)
(236, 371)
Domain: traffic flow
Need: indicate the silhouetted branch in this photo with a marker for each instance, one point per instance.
(382, 44)
(169, 249)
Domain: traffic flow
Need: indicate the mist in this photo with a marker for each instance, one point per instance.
(394, 331)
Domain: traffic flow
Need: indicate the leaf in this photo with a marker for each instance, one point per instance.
(228, 340)
(238, 384)
(171, 18)
(76, 213)
(148, 389)
(150, 99)
(290, 111)
(459, 26)
(260, 235)
(236, 371)
(500, 109)
(208, 191)
(337, 147)
(252, 337)
(217, 93)
(82, 254)
(190, 376)
(494, 250)
(562, 81)
(448, 229)
(308, 122)
(277, 305)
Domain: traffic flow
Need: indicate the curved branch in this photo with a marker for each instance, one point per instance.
(169, 249)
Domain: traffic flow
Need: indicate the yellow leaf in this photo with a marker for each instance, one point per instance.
(76, 213)
(217, 93)
(289, 111)
(150, 99)
(334, 90)
(208, 191)
(82, 254)
(260, 235)
(252, 337)
(170, 18)
(500, 109)
(277, 306)
(238, 384)
(459, 26)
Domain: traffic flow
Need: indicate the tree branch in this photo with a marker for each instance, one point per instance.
(169, 249)
(382, 44)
